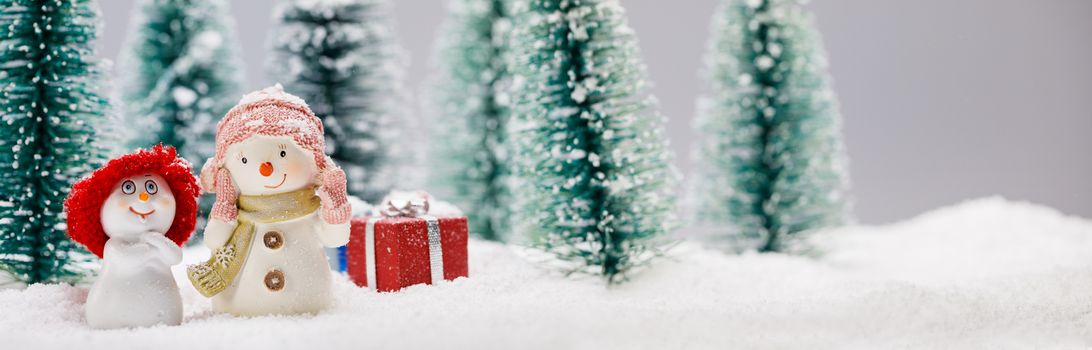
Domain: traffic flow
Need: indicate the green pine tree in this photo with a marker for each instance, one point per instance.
(772, 158)
(594, 179)
(470, 164)
(340, 57)
(185, 77)
(51, 112)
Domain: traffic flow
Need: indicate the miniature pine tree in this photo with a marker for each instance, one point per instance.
(772, 159)
(470, 165)
(594, 182)
(185, 75)
(185, 78)
(340, 57)
(51, 114)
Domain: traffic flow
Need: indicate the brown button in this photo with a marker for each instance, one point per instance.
(273, 240)
(274, 280)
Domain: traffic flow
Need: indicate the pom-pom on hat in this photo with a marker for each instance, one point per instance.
(84, 204)
(272, 112)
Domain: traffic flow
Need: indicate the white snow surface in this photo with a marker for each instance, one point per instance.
(987, 273)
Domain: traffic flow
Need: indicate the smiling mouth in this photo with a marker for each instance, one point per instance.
(283, 177)
(142, 215)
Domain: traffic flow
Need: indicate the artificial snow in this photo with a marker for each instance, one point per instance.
(988, 273)
(183, 96)
(275, 92)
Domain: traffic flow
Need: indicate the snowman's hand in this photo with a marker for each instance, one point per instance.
(121, 252)
(334, 235)
(335, 200)
(167, 251)
(217, 232)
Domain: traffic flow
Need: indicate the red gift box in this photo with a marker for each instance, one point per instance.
(404, 252)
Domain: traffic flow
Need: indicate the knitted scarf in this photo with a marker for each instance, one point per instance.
(216, 274)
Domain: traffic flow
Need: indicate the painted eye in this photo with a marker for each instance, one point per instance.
(244, 160)
(151, 187)
(284, 154)
(128, 187)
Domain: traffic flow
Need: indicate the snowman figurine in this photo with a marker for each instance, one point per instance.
(135, 213)
(280, 201)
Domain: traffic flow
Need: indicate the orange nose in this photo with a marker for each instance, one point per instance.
(266, 169)
(144, 196)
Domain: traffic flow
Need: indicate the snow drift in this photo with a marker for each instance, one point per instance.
(988, 273)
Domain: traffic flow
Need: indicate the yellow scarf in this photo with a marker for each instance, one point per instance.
(216, 274)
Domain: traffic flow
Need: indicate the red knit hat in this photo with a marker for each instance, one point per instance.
(84, 204)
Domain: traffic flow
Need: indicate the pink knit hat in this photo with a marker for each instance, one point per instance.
(272, 112)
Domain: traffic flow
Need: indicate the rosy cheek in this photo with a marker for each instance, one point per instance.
(294, 168)
(121, 204)
(164, 202)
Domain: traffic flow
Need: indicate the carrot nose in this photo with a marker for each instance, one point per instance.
(144, 196)
(266, 169)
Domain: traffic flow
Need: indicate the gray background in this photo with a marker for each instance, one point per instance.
(943, 100)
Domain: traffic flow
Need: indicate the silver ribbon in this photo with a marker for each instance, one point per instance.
(413, 208)
(435, 249)
(369, 250)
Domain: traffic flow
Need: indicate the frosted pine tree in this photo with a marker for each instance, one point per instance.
(340, 57)
(51, 111)
(469, 162)
(772, 159)
(184, 75)
(594, 179)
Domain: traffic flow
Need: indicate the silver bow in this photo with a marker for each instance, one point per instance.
(408, 205)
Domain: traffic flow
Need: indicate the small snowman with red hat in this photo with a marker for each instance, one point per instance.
(279, 202)
(134, 213)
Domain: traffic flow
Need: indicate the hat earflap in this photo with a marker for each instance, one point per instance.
(224, 208)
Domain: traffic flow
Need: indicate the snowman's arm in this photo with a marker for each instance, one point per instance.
(333, 235)
(117, 251)
(217, 232)
(336, 211)
(169, 252)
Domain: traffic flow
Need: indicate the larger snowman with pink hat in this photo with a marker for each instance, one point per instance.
(279, 201)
